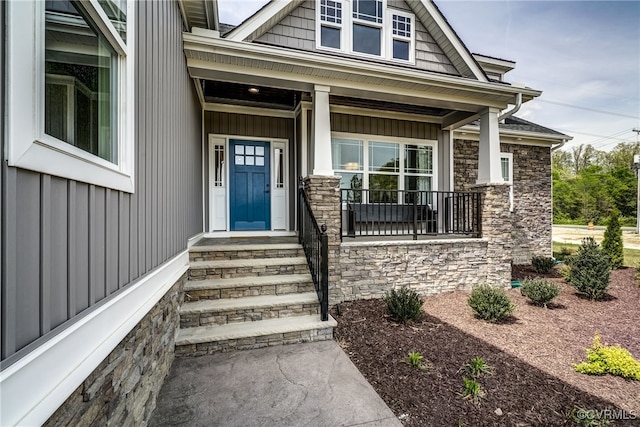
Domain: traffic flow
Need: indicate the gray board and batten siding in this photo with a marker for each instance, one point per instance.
(297, 31)
(68, 245)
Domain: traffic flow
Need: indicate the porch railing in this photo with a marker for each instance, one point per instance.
(316, 248)
(410, 213)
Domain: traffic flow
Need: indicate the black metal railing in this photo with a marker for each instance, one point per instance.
(316, 248)
(410, 213)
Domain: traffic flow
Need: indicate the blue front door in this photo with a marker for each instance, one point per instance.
(250, 207)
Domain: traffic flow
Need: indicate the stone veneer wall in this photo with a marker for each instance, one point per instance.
(369, 269)
(122, 390)
(366, 269)
(531, 218)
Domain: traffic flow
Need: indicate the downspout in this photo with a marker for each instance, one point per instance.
(513, 110)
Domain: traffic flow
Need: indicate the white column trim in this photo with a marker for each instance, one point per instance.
(321, 131)
(489, 171)
(34, 387)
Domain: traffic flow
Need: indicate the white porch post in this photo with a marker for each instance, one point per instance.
(321, 132)
(489, 171)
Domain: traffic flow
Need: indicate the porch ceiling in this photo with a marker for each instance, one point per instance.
(211, 58)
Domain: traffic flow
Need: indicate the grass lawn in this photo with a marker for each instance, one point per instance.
(631, 256)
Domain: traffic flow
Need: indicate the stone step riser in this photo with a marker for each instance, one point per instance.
(258, 270)
(254, 342)
(247, 291)
(245, 254)
(223, 317)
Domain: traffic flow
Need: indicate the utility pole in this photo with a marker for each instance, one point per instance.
(636, 162)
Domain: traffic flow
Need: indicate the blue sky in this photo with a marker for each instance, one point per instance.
(583, 55)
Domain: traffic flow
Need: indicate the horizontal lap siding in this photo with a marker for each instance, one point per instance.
(67, 245)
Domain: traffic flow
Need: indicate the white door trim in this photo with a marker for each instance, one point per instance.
(215, 215)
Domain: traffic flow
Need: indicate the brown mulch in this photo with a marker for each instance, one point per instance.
(533, 382)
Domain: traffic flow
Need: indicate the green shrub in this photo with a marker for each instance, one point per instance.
(414, 358)
(590, 270)
(403, 304)
(612, 359)
(540, 291)
(477, 367)
(490, 303)
(472, 390)
(542, 264)
(587, 417)
(612, 243)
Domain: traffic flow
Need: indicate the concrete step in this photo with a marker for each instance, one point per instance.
(249, 309)
(248, 286)
(245, 251)
(227, 269)
(250, 335)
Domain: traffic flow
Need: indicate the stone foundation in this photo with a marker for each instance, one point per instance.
(122, 390)
(369, 269)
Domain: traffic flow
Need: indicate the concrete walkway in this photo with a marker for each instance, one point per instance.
(312, 384)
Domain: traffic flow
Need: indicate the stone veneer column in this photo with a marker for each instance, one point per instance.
(496, 228)
(323, 193)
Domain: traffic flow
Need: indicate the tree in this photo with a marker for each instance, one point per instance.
(612, 243)
(585, 156)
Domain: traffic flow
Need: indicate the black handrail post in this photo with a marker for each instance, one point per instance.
(479, 214)
(415, 216)
(299, 213)
(324, 302)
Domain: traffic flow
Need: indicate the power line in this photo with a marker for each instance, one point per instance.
(594, 110)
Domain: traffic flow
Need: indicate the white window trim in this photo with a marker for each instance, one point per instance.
(28, 146)
(346, 33)
(509, 157)
(392, 37)
(367, 139)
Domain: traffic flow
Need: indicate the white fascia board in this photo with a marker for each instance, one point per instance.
(257, 20)
(455, 40)
(343, 65)
(519, 137)
(35, 386)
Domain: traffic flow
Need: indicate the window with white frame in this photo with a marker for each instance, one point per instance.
(366, 27)
(384, 167)
(506, 167)
(330, 24)
(402, 35)
(72, 115)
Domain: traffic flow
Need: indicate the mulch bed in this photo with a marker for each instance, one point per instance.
(533, 382)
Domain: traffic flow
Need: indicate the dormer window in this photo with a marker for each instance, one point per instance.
(331, 26)
(367, 28)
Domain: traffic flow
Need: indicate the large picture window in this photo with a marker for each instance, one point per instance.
(73, 116)
(383, 167)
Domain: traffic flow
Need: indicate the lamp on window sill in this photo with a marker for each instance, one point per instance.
(351, 166)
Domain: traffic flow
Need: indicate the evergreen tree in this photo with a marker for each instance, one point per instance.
(612, 243)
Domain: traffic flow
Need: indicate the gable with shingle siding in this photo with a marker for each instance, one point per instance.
(297, 31)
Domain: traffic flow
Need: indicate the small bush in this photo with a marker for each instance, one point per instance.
(589, 271)
(414, 358)
(542, 264)
(477, 367)
(403, 304)
(612, 243)
(540, 291)
(490, 303)
(564, 253)
(472, 391)
(587, 417)
(612, 359)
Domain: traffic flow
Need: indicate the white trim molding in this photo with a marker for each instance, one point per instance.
(34, 387)
(28, 146)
